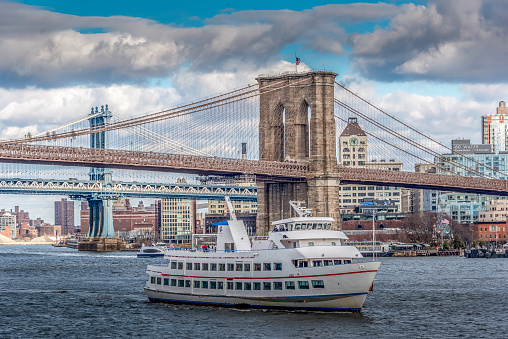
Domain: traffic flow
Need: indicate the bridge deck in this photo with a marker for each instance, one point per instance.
(264, 170)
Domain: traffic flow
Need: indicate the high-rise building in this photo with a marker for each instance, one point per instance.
(64, 215)
(178, 220)
(465, 207)
(353, 153)
(495, 128)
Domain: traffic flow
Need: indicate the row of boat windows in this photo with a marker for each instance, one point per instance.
(302, 226)
(238, 285)
(320, 263)
(178, 265)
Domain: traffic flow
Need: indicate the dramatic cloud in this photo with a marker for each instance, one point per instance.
(46, 49)
(448, 40)
(36, 110)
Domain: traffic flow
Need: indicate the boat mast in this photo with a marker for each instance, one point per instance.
(373, 234)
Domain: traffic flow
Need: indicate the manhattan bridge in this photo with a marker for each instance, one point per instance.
(283, 131)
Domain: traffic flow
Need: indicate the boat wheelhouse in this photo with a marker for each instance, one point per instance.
(301, 264)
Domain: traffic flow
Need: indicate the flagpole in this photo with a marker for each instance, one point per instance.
(296, 64)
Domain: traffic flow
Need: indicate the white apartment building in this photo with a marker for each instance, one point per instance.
(495, 128)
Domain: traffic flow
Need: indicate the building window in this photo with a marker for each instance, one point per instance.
(317, 263)
(239, 266)
(277, 285)
(173, 282)
(257, 267)
(213, 285)
(267, 266)
(246, 267)
(213, 267)
(181, 283)
(188, 266)
(204, 267)
(187, 283)
(166, 281)
(196, 266)
(277, 266)
(247, 286)
(256, 286)
(220, 285)
(231, 267)
(173, 265)
(196, 284)
(230, 285)
(267, 286)
(238, 285)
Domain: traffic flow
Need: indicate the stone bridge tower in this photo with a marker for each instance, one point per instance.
(297, 124)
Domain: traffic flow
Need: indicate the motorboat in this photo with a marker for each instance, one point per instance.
(150, 251)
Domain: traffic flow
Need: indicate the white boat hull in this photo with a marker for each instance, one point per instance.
(345, 291)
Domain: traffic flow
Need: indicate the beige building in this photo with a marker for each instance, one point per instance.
(497, 211)
(220, 207)
(353, 153)
(178, 220)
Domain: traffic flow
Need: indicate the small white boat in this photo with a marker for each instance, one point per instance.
(150, 252)
(302, 264)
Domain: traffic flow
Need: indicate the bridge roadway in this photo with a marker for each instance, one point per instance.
(264, 170)
(121, 189)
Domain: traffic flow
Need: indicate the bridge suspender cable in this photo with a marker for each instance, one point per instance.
(425, 136)
(405, 139)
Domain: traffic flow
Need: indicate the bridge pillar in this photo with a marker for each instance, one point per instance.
(297, 124)
(101, 210)
(101, 219)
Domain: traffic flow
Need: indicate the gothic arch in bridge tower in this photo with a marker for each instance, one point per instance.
(297, 124)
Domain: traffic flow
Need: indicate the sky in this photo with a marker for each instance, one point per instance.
(438, 65)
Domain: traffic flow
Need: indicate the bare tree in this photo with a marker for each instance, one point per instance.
(419, 227)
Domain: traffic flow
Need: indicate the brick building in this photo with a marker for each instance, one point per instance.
(64, 215)
(125, 217)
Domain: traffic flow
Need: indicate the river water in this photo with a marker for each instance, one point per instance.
(48, 292)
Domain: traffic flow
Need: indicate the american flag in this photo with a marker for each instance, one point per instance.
(445, 221)
(297, 61)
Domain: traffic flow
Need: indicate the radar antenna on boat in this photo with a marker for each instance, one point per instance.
(302, 211)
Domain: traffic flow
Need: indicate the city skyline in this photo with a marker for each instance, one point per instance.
(433, 64)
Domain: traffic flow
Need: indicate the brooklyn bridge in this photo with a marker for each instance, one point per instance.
(282, 130)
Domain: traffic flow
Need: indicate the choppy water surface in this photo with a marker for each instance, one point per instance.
(59, 292)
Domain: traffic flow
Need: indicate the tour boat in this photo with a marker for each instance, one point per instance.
(301, 264)
(150, 251)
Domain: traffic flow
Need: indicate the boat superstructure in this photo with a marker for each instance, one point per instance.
(301, 264)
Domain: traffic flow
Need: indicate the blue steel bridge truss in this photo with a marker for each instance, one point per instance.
(117, 189)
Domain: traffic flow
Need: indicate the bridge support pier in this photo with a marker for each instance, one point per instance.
(101, 233)
(297, 124)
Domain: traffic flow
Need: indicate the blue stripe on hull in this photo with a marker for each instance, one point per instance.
(140, 255)
(229, 305)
